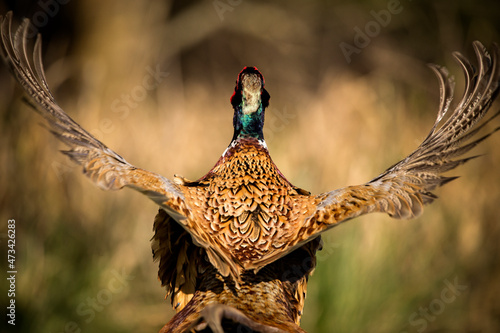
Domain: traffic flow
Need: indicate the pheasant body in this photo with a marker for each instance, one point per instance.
(236, 247)
(246, 201)
(248, 208)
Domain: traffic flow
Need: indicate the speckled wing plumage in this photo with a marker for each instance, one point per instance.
(403, 190)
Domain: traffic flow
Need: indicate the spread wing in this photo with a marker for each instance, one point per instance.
(103, 166)
(403, 190)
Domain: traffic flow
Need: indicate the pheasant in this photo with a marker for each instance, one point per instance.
(237, 246)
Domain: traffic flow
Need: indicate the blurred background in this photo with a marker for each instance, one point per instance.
(350, 95)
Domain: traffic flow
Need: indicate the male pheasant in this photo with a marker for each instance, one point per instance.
(236, 247)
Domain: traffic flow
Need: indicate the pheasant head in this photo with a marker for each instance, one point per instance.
(249, 101)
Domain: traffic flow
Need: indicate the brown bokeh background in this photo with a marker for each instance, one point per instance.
(331, 123)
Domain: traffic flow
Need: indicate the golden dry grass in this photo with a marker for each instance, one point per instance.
(330, 124)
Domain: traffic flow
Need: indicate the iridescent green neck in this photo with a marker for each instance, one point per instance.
(249, 124)
(249, 101)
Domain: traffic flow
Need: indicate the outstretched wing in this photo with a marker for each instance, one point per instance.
(403, 190)
(103, 166)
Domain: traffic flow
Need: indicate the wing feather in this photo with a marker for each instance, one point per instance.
(103, 166)
(404, 189)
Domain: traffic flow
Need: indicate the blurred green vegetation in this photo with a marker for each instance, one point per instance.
(331, 123)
